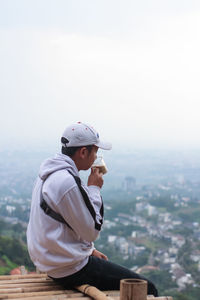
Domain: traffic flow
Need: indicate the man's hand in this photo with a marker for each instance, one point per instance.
(99, 254)
(95, 178)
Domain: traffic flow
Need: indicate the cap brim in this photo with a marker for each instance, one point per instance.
(104, 146)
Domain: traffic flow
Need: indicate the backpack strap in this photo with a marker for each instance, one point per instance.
(56, 216)
(88, 203)
(50, 212)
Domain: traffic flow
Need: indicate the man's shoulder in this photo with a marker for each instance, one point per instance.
(64, 177)
(61, 180)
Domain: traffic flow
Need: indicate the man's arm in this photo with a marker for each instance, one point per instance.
(85, 217)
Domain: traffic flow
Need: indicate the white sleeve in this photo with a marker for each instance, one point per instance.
(85, 216)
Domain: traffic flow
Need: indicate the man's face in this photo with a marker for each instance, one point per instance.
(90, 157)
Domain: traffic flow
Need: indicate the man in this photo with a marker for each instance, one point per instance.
(66, 216)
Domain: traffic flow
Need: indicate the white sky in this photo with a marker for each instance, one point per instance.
(130, 68)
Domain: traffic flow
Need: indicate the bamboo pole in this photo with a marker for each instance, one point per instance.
(28, 280)
(27, 284)
(112, 293)
(135, 289)
(160, 298)
(93, 292)
(32, 294)
(57, 297)
(29, 289)
(11, 277)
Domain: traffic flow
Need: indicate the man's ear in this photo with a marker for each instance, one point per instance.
(83, 152)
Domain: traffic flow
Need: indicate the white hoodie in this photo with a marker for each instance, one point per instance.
(53, 247)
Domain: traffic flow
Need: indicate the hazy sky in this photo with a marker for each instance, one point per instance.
(130, 68)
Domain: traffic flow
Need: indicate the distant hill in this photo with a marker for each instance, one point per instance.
(13, 251)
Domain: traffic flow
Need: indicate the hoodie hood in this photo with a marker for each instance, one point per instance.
(59, 162)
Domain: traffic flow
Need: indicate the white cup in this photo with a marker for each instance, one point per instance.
(100, 164)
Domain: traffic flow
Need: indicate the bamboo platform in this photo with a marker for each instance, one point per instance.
(40, 287)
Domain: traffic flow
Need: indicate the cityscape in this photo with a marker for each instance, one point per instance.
(151, 226)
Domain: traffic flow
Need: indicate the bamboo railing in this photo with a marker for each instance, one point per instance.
(41, 287)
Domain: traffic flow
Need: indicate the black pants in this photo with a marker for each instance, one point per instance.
(102, 274)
